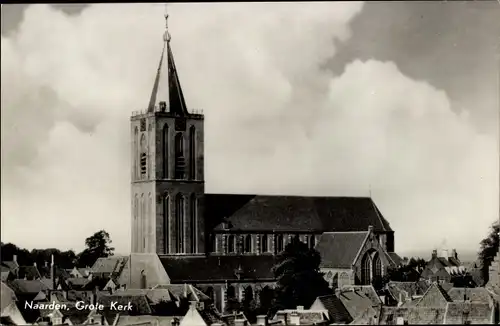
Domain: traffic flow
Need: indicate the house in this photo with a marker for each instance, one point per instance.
(301, 316)
(469, 313)
(79, 272)
(399, 293)
(9, 311)
(29, 273)
(444, 267)
(411, 315)
(336, 311)
(69, 315)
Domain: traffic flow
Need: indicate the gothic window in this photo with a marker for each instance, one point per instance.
(377, 265)
(194, 223)
(179, 157)
(166, 221)
(365, 270)
(343, 279)
(192, 153)
(135, 151)
(312, 241)
(248, 294)
(165, 151)
(248, 243)
(136, 222)
(264, 243)
(231, 292)
(141, 222)
(279, 243)
(179, 223)
(143, 156)
(230, 244)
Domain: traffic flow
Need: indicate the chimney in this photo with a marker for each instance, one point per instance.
(262, 320)
(53, 272)
(434, 254)
(34, 264)
(444, 253)
(185, 290)
(14, 258)
(300, 308)
(370, 228)
(294, 318)
(454, 253)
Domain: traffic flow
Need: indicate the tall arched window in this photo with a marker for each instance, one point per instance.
(194, 223)
(230, 244)
(365, 270)
(180, 164)
(179, 223)
(135, 153)
(377, 265)
(248, 294)
(135, 229)
(166, 162)
(248, 243)
(142, 238)
(143, 156)
(192, 153)
(312, 241)
(279, 243)
(166, 221)
(264, 243)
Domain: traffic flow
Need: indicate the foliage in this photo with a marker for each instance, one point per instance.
(97, 247)
(488, 251)
(299, 281)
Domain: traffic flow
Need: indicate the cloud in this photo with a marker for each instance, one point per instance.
(275, 122)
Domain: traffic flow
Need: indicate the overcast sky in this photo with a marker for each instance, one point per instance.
(300, 99)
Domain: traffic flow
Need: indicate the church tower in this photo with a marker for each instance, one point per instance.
(167, 171)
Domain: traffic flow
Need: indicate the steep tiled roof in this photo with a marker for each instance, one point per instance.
(339, 249)
(367, 290)
(139, 303)
(48, 282)
(218, 268)
(473, 294)
(77, 316)
(183, 291)
(12, 265)
(109, 265)
(407, 289)
(476, 313)
(336, 310)
(395, 258)
(7, 296)
(29, 272)
(77, 283)
(412, 315)
(356, 302)
(96, 282)
(27, 286)
(154, 296)
(297, 213)
(5, 273)
(435, 296)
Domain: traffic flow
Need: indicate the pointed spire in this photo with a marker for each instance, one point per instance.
(177, 103)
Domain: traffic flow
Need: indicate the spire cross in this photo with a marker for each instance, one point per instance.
(166, 36)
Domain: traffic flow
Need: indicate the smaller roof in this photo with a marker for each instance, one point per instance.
(21, 286)
(11, 264)
(29, 272)
(481, 295)
(337, 312)
(475, 313)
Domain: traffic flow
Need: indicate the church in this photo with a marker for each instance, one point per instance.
(226, 244)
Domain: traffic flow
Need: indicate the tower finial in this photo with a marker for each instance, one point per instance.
(166, 36)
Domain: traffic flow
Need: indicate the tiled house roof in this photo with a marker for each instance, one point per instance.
(435, 296)
(218, 268)
(412, 315)
(481, 295)
(109, 265)
(126, 320)
(339, 249)
(77, 283)
(367, 290)
(296, 213)
(337, 312)
(12, 265)
(21, 286)
(398, 261)
(475, 313)
(183, 291)
(29, 272)
(154, 296)
(4, 273)
(356, 302)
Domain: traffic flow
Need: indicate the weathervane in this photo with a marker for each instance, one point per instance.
(166, 36)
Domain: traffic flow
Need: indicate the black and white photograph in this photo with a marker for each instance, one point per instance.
(250, 163)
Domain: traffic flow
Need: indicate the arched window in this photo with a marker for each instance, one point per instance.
(142, 238)
(135, 153)
(279, 243)
(377, 266)
(264, 243)
(166, 221)
(192, 153)
(179, 223)
(194, 223)
(165, 152)
(180, 164)
(248, 294)
(230, 244)
(312, 241)
(343, 279)
(248, 243)
(143, 157)
(231, 292)
(365, 270)
(135, 229)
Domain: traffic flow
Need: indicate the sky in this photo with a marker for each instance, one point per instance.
(397, 100)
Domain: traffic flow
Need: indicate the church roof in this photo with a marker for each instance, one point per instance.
(294, 213)
(218, 268)
(339, 249)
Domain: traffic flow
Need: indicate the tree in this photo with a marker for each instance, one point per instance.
(97, 247)
(299, 281)
(488, 251)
